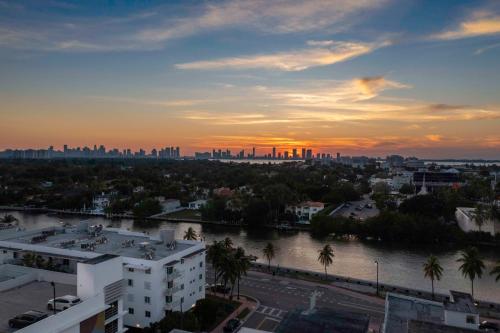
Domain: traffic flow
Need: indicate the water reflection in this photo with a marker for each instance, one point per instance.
(399, 264)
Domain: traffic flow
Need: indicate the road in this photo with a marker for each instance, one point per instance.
(279, 295)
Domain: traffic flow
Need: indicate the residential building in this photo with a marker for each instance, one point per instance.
(197, 204)
(169, 205)
(466, 219)
(406, 314)
(223, 192)
(306, 210)
(98, 284)
(161, 274)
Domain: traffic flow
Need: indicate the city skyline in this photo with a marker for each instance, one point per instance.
(416, 78)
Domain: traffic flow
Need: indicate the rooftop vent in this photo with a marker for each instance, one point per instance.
(167, 236)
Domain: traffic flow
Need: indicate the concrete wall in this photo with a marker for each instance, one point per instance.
(459, 319)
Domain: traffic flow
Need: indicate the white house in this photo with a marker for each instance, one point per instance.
(99, 203)
(169, 205)
(305, 210)
(197, 204)
(467, 222)
(161, 274)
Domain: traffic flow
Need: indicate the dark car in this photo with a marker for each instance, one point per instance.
(26, 319)
(219, 288)
(489, 326)
(231, 325)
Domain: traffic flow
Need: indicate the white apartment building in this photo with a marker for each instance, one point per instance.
(306, 210)
(161, 274)
(99, 285)
(467, 221)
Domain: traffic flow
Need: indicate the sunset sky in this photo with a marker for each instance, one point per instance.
(360, 77)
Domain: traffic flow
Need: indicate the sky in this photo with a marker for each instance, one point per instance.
(360, 77)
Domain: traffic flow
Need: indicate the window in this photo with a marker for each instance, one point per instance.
(148, 271)
(130, 269)
(147, 314)
(182, 286)
(147, 285)
(66, 262)
(147, 299)
(170, 284)
(170, 270)
(130, 282)
(201, 263)
(199, 289)
(182, 261)
(131, 310)
(201, 276)
(14, 255)
(182, 300)
(471, 319)
(168, 299)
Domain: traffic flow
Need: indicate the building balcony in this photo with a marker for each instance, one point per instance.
(173, 290)
(170, 306)
(176, 273)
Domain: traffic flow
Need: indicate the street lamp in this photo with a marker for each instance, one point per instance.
(54, 300)
(376, 262)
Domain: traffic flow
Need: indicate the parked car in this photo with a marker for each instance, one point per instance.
(219, 288)
(26, 319)
(231, 325)
(489, 326)
(63, 302)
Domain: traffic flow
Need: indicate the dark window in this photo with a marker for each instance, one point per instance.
(147, 314)
(130, 282)
(131, 310)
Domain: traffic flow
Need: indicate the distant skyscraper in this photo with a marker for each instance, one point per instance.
(274, 153)
(253, 152)
(294, 153)
(286, 155)
(303, 153)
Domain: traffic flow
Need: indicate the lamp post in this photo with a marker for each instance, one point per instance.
(54, 300)
(376, 262)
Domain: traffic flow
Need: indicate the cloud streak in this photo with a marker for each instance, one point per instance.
(481, 23)
(289, 61)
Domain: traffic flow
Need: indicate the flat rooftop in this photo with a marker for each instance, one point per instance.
(402, 309)
(426, 327)
(31, 296)
(106, 241)
(461, 302)
(324, 321)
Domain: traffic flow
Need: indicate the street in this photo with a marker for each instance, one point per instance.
(279, 295)
(359, 209)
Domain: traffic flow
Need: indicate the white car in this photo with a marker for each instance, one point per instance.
(63, 302)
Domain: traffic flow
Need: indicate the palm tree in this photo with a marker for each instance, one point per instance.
(472, 265)
(9, 218)
(269, 252)
(326, 257)
(214, 254)
(433, 270)
(229, 270)
(243, 265)
(496, 271)
(228, 243)
(190, 234)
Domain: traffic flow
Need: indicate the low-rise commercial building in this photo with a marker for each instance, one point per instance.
(466, 219)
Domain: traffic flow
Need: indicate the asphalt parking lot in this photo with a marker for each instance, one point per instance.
(359, 209)
(31, 296)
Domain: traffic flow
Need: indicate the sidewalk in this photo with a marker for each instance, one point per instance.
(245, 303)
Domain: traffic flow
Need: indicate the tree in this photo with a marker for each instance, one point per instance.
(326, 257)
(228, 270)
(9, 218)
(190, 234)
(433, 270)
(481, 215)
(243, 265)
(496, 271)
(214, 254)
(407, 189)
(228, 243)
(29, 259)
(472, 265)
(147, 207)
(268, 252)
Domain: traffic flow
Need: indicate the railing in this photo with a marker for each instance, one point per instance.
(112, 327)
(173, 290)
(177, 273)
(112, 311)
